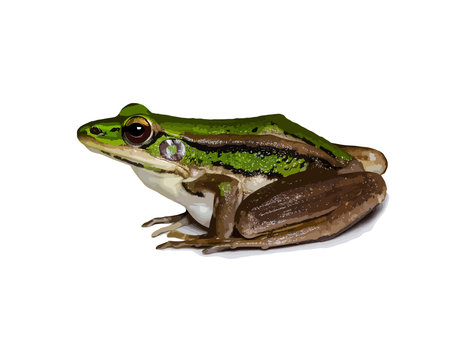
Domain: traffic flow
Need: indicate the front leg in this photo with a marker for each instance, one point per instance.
(227, 198)
(228, 195)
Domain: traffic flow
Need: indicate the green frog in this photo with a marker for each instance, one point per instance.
(258, 182)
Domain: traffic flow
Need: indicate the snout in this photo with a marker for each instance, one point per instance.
(106, 131)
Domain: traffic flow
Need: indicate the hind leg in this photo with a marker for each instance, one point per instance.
(297, 210)
(355, 205)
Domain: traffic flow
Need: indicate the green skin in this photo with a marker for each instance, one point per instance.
(224, 171)
(175, 127)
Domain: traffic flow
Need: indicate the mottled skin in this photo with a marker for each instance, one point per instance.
(227, 173)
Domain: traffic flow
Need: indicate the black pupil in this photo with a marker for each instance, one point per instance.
(136, 129)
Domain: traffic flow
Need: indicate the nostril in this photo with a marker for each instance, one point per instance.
(96, 131)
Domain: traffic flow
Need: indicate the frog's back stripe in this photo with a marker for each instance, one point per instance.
(274, 142)
(266, 124)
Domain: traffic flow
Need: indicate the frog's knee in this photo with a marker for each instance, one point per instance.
(247, 224)
(371, 159)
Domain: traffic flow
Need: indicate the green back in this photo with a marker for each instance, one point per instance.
(276, 123)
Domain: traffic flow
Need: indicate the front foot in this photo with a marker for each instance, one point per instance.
(165, 219)
(175, 221)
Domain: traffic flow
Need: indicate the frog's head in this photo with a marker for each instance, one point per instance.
(129, 137)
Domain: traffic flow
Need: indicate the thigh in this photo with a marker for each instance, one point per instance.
(296, 200)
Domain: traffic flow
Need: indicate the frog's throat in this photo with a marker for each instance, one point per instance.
(132, 156)
(171, 187)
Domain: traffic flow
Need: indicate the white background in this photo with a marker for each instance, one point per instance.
(79, 278)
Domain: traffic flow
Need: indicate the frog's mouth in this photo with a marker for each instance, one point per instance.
(131, 156)
(126, 161)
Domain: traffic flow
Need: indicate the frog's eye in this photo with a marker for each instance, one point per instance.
(137, 131)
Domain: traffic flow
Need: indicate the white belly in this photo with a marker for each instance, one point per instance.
(170, 186)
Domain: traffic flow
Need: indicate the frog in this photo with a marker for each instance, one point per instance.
(259, 182)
